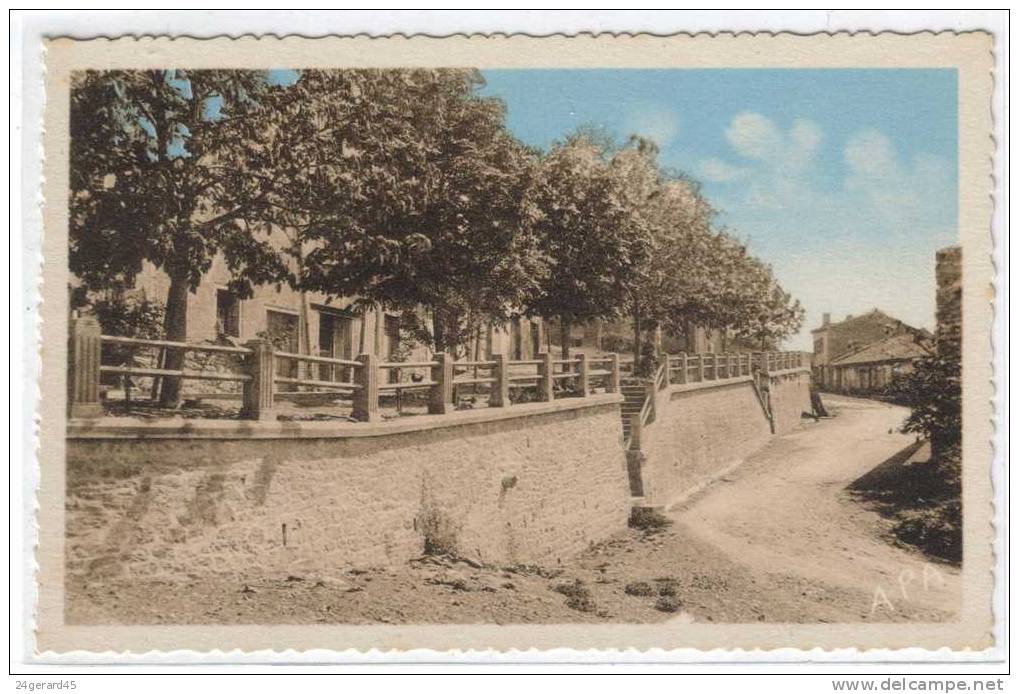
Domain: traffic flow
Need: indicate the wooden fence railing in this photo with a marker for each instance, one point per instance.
(686, 368)
(261, 370)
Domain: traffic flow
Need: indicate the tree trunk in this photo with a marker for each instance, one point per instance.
(175, 329)
(438, 332)
(565, 335)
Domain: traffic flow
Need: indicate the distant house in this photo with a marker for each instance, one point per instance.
(873, 367)
(864, 353)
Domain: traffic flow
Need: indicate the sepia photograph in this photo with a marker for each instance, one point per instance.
(497, 343)
(521, 346)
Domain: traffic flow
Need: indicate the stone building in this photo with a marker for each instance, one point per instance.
(874, 366)
(314, 323)
(617, 336)
(298, 322)
(863, 353)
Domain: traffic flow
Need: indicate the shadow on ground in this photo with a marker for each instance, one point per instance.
(910, 488)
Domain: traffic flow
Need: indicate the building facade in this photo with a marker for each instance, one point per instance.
(864, 353)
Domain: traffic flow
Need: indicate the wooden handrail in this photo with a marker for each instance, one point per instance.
(167, 344)
(174, 373)
(407, 364)
(317, 360)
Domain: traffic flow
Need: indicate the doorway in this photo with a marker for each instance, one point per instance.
(335, 340)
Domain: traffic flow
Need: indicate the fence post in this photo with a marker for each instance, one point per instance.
(366, 397)
(259, 392)
(546, 392)
(584, 371)
(682, 367)
(733, 359)
(84, 357)
(613, 384)
(440, 397)
(701, 367)
(500, 389)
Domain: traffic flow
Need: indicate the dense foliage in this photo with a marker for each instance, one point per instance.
(405, 189)
(156, 177)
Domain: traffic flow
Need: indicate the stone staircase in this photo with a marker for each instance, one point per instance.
(634, 395)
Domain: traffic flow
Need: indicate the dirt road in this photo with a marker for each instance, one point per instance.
(779, 540)
(786, 513)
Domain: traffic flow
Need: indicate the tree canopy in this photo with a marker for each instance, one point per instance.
(404, 189)
(155, 177)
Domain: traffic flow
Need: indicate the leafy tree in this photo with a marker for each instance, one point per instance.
(405, 190)
(155, 176)
(588, 229)
(756, 307)
(933, 392)
(678, 269)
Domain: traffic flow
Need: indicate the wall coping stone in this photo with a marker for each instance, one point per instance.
(232, 429)
(708, 385)
(677, 388)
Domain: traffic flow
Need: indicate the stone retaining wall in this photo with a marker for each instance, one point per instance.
(533, 483)
(701, 430)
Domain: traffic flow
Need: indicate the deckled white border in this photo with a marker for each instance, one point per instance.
(26, 65)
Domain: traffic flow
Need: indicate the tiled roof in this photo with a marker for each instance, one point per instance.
(904, 346)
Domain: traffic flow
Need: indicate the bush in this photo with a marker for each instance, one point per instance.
(640, 589)
(578, 595)
(668, 603)
(667, 587)
(936, 529)
(439, 532)
(648, 519)
(933, 392)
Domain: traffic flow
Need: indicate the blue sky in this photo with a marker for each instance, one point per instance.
(844, 180)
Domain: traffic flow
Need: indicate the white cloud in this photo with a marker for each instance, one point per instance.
(653, 122)
(865, 233)
(756, 137)
(753, 136)
(717, 171)
(871, 159)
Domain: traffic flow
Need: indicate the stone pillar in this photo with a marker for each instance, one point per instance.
(682, 368)
(259, 392)
(584, 369)
(546, 392)
(366, 397)
(84, 356)
(500, 389)
(440, 398)
(613, 385)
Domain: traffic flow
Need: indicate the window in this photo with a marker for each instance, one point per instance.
(228, 314)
